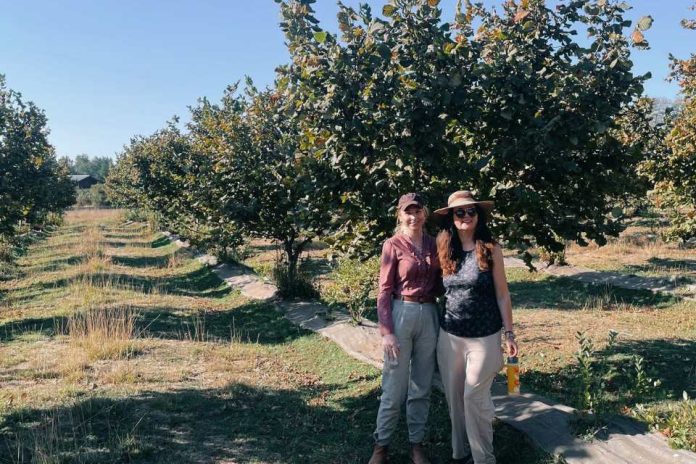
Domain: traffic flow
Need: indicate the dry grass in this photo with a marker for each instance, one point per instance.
(639, 247)
(104, 333)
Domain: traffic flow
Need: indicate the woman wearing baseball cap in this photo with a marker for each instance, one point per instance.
(409, 281)
(477, 310)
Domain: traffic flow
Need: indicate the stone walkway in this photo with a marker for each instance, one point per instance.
(545, 422)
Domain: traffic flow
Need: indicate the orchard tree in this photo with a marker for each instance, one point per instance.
(288, 190)
(257, 179)
(162, 173)
(32, 182)
(510, 105)
(674, 173)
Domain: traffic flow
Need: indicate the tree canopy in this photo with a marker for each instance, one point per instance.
(509, 104)
(32, 181)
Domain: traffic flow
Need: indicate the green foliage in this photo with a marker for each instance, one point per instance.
(353, 284)
(509, 104)
(164, 173)
(675, 419)
(673, 173)
(515, 108)
(293, 283)
(257, 179)
(598, 377)
(6, 250)
(32, 182)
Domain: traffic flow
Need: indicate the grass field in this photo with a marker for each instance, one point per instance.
(115, 346)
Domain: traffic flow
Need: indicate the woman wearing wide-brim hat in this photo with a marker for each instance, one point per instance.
(477, 311)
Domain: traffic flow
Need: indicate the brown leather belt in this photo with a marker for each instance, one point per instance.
(415, 299)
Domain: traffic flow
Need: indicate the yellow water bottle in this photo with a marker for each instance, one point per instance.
(513, 375)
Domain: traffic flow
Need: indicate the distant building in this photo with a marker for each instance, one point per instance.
(83, 181)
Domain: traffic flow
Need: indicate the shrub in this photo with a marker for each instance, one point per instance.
(293, 282)
(675, 420)
(604, 380)
(353, 284)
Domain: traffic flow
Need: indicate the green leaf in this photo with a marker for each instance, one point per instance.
(388, 10)
(645, 23)
(320, 36)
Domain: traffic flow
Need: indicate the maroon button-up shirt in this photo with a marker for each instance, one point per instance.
(405, 271)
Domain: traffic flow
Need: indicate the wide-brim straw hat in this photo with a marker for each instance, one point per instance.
(462, 199)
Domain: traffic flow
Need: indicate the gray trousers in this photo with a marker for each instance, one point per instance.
(468, 367)
(410, 376)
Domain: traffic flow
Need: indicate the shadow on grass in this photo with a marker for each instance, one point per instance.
(568, 294)
(127, 243)
(125, 235)
(145, 261)
(45, 326)
(160, 242)
(236, 423)
(52, 265)
(672, 362)
(255, 322)
(200, 282)
(676, 264)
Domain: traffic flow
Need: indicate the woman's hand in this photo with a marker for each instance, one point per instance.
(511, 347)
(391, 346)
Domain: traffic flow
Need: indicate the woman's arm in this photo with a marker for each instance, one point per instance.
(387, 273)
(502, 295)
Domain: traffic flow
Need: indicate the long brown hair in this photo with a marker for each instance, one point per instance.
(449, 246)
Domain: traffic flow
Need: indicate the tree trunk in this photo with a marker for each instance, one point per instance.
(292, 253)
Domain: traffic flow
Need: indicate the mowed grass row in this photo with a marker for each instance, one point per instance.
(115, 346)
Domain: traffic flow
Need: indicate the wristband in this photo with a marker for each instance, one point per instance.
(509, 334)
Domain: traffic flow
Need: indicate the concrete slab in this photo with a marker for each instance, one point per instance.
(359, 341)
(548, 424)
(237, 277)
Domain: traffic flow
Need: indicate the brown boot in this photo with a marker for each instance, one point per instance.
(418, 455)
(379, 455)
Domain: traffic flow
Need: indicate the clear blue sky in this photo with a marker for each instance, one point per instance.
(107, 70)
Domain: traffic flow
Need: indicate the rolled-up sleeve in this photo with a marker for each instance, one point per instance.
(387, 272)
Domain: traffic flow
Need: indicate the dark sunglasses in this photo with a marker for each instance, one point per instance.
(463, 212)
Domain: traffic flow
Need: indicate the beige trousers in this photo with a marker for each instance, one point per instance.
(468, 367)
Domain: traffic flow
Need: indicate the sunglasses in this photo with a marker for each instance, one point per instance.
(464, 212)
